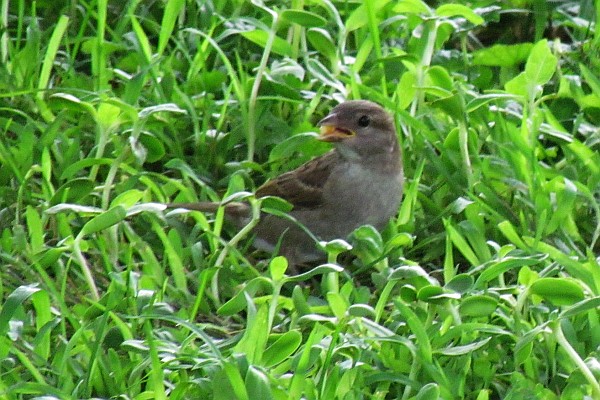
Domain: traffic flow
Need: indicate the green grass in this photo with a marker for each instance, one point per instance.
(486, 285)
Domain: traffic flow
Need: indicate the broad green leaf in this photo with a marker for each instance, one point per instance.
(46, 164)
(44, 315)
(108, 115)
(541, 64)
(485, 99)
(461, 243)
(559, 291)
(128, 198)
(324, 76)
(565, 193)
(12, 303)
(254, 340)
(591, 79)
(582, 306)
(35, 229)
(362, 55)
(321, 269)
(406, 89)
(474, 328)
(478, 306)
(305, 361)
(338, 304)
(509, 232)
(436, 295)
(282, 348)
(460, 283)
(453, 10)
(417, 327)
(450, 102)
(523, 352)
(503, 55)
(336, 246)
(83, 164)
(361, 310)
(48, 257)
(367, 243)
(257, 384)
(259, 37)
(408, 293)
(53, 45)
(574, 267)
(300, 302)
(155, 208)
(173, 252)
(104, 220)
(305, 18)
(277, 267)
(71, 102)
(73, 191)
(464, 349)
(430, 391)
(275, 205)
(410, 271)
(518, 85)
(321, 40)
(412, 7)
(165, 107)
(523, 344)
(235, 382)
(142, 37)
(493, 269)
(154, 147)
(398, 241)
(290, 145)
(238, 302)
(360, 17)
(527, 276)
(589, 157)
(439, 76)
(171, 13)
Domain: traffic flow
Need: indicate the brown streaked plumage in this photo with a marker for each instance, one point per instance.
(359, 182)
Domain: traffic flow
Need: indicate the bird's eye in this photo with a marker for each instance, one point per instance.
(364, 121)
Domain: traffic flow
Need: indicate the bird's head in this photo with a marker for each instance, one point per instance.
(361, 128)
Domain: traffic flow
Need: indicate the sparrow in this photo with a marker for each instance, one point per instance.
(358, 182)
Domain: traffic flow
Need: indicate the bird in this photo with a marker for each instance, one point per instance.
(358, 182)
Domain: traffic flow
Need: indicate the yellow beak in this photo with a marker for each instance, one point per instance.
(331, 133)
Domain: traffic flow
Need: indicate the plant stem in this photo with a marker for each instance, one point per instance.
(254, 93)
(574, 356)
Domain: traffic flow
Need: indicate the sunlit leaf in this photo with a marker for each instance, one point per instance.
(559, 291)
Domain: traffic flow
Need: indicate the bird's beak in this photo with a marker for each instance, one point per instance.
(331, 132)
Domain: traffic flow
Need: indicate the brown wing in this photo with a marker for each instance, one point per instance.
(303, 187)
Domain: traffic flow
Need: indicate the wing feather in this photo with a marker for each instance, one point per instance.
(302, 187)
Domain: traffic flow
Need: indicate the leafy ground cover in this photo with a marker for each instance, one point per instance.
(485, 286)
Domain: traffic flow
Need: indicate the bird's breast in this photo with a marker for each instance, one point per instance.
(362, 195)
